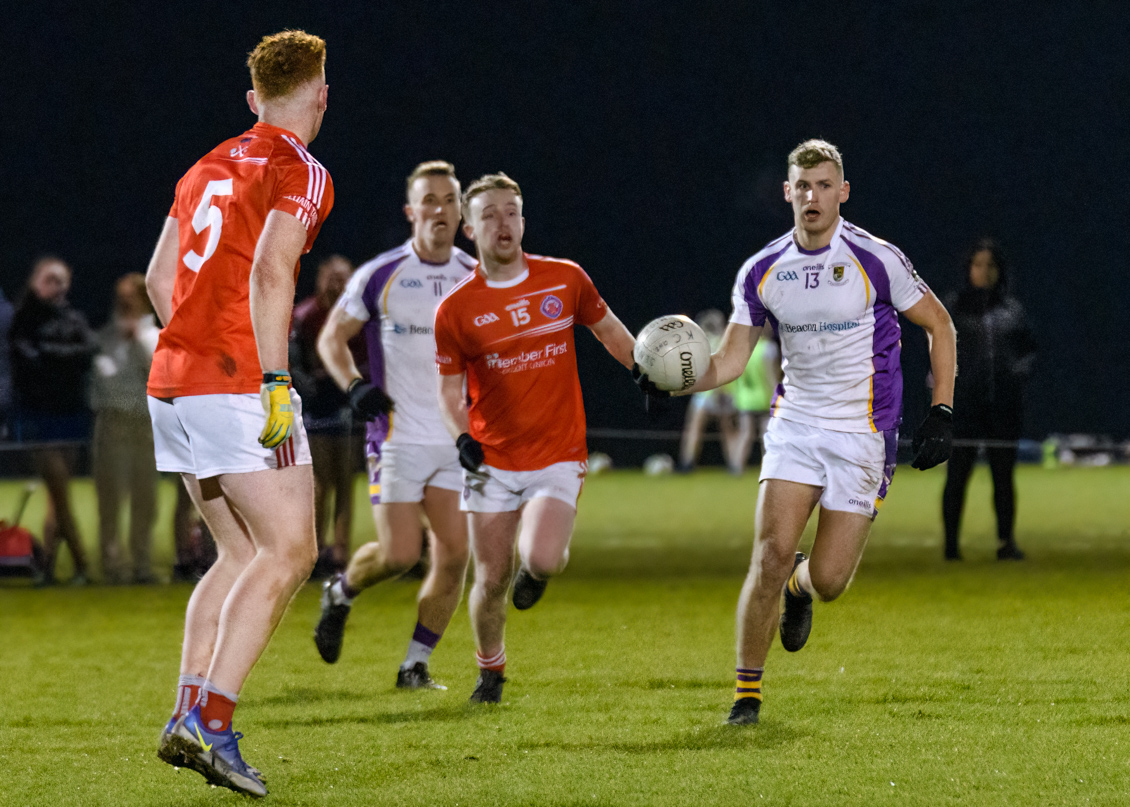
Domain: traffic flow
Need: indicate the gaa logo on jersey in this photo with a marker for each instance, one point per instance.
(552, 306)
(839, 274)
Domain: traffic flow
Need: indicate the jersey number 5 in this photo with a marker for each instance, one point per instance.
(207, 216)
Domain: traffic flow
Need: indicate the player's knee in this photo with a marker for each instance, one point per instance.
(772, 561)
(828, 585)
(398, 560)
(546, 565)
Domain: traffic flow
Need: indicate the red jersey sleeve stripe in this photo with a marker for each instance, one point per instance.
(316, 185)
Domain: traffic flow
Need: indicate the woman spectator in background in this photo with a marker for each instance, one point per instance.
(51, 349)
(995, 353)
(123, 434)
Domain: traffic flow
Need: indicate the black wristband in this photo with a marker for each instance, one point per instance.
(944, 411)
(276, 377)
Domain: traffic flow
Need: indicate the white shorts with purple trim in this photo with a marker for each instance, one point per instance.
(498, 491)
(855, 470)
(399, 473)
(209, 435)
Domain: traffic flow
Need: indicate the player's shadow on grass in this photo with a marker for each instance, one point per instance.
(700, 738)
(299, 696)
(438, 714)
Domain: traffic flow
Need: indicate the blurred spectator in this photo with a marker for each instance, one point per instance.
(716, 403)
(753, 394)
(995, 353)
(326, 414)
(6, 312)
(51, 349)
(123, 435)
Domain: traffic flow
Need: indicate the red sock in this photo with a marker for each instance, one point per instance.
(496, 663)
(188, 693)
(216, 710)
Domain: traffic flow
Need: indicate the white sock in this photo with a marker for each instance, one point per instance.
(337, 595)
(804, 579)
(417, 651)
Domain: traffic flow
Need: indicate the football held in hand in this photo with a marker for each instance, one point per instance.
(673, 351)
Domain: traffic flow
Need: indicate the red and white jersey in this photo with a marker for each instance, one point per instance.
(514, 340)
(221, 206)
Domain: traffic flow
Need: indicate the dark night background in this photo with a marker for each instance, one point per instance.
(649, 140)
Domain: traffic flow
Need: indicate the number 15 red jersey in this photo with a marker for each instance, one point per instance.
(221, 206)
(514, 340)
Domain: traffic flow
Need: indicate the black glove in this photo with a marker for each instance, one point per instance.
(470, 452)
(367, 400)
(933, 442)
(646, 385)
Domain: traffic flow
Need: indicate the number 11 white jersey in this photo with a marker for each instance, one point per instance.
(396, 295)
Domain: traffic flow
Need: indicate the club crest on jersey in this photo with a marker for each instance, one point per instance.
(839, 276)
(552, 306)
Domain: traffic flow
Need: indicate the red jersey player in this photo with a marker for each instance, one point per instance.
(507, 332)
(222, 280)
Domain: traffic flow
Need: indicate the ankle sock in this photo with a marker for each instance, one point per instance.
(495, 663)
(800, 582)
(188, 693)
(216, 707)
(749, 683)
(341, 593)
(423, 642)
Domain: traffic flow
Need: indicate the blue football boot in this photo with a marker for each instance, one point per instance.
(215, 755)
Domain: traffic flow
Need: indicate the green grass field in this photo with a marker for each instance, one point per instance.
(928, 683)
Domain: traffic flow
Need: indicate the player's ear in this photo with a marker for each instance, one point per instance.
(469, 231)
(251, 102)
(845, 191)
(408, 213)
(324, 98)
(788, 192)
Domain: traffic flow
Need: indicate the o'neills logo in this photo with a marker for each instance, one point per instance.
(687, 366)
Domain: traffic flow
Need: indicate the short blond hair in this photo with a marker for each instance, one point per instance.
(489, 182)
(431, 168)
(811, 153)
(285, 61)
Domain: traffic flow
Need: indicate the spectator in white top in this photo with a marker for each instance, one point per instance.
(123, 435)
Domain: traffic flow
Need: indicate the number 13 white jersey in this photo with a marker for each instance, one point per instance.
(836, 312)
(396, 295)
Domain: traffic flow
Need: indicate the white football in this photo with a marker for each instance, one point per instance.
(673, 351)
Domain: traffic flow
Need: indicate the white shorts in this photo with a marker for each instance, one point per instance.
(399, 473)
(855, 470)
(208, 435)
(498, 491)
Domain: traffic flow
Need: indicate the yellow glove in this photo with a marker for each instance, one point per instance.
(275, 397)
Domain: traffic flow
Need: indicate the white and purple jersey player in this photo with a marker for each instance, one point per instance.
(396, 295)
(835, 311)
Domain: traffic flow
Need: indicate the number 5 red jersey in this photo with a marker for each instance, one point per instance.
(221, 206)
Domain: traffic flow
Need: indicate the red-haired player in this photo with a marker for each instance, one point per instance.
(222, 280)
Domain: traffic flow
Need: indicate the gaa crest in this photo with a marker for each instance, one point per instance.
(552, 306)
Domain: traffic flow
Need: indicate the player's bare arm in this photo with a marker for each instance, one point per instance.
(161, 276)
(616, 339)
(333, 347)
(272, 286)
(453, 404)
(730, 360)
(929, 314)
